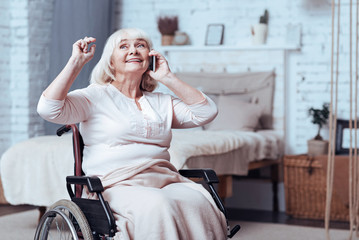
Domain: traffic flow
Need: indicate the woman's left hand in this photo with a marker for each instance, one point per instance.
(162, 70)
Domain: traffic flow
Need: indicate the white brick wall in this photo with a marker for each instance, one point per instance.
(19, 56)
(5, 104)
(308, 71)
(25, 30)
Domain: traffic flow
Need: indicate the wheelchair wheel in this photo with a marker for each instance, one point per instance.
(64, 220)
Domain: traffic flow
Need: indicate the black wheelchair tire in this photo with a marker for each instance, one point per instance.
(70, 213)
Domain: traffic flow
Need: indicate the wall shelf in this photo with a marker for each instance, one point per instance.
(265, 47)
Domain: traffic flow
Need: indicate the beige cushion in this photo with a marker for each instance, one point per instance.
(235, 114)
(246, 86)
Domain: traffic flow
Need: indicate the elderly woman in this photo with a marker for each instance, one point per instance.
(127, 132)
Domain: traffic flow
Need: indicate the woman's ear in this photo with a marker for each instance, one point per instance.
(110, 65)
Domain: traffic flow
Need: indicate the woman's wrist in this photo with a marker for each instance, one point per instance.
(169, 78)
(76, 61)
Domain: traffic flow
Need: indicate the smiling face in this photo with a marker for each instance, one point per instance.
(130, 55)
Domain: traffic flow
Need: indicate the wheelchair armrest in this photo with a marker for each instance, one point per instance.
(208, 175)
(93, 183)
(62, 130)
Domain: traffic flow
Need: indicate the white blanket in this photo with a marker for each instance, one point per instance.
(265, 144)
(34, 171)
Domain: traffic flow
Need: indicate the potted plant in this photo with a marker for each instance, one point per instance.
(259, 31)
(264, 18)
(317, 145)
(167, 27)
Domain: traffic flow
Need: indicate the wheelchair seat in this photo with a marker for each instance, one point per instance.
(81, 218)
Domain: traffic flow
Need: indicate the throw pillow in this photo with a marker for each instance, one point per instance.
(235, 114)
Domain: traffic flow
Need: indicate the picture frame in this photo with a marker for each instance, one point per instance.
(214, 35)
(342, 137)
(294, 34)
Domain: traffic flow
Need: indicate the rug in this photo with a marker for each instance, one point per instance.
(21, 226)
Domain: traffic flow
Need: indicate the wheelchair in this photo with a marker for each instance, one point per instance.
(88, 219)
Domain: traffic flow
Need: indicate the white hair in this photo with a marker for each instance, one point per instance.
(103, 72)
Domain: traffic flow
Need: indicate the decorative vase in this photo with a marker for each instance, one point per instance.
(317, 147)
(259, 33)
(167, 40)
(180, 38)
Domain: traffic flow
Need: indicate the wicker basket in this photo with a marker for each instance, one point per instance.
(305, 189)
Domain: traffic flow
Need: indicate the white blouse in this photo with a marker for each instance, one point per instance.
(115, 132)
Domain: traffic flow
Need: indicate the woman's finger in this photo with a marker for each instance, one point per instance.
(90, 39)
(87, 41)
(83, 44)
(84, 48)
(78, 45)
(154, 53)
(92, 49)
(159, 57)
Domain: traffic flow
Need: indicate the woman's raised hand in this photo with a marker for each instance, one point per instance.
(81, 51)
(81, 54)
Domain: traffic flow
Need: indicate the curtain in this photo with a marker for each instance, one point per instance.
(73, 20)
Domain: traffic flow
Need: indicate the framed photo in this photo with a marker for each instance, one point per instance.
(342, 141)
(214, 34)
(294, 34)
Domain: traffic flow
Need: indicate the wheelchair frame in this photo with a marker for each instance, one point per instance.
(93, 219)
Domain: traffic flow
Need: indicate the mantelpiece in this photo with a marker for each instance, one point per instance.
(265, 47)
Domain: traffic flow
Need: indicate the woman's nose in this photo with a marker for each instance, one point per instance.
(133, 50)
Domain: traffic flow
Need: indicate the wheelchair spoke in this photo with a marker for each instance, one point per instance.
(58, 226)
(64, 221)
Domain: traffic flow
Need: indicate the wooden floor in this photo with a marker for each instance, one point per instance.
(233, 214)
(8, 209)
(279, 217)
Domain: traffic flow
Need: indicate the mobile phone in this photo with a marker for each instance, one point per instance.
(152, 65)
